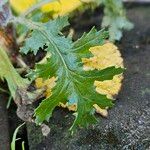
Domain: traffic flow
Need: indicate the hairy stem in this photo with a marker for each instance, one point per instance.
(36, 6)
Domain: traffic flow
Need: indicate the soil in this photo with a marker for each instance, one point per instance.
(8, 123)
(128, 124)
(4, 132)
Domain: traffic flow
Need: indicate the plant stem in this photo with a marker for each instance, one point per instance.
(36, 6)
(13, 143)
(2, 90)
(9, 102)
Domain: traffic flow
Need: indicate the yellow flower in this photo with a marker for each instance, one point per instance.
(59, 8)
(21, 6)
(104, 56)
(62, 8)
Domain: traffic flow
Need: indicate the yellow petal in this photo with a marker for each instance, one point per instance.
(60, 8)
(21, 6)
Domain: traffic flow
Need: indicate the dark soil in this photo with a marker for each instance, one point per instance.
(14, 122)
(8, 123)
(4, 133)
(128, 124)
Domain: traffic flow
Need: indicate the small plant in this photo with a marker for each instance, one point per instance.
(74, 68)
(115, 19)
(14, 139)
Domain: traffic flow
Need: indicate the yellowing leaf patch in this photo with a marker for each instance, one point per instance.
(105, 56)
(48, 84)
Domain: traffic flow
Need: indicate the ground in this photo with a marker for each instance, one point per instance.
(4, 133)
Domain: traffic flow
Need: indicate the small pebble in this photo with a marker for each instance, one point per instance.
(45, 129)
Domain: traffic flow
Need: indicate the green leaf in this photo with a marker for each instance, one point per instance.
(115, 19)
(52, 27)
(32, 44)
(8, 72)
(72, 82)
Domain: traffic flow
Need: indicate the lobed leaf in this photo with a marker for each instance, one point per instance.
(66, 64)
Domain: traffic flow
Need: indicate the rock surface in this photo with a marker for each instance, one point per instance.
(128, 124)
